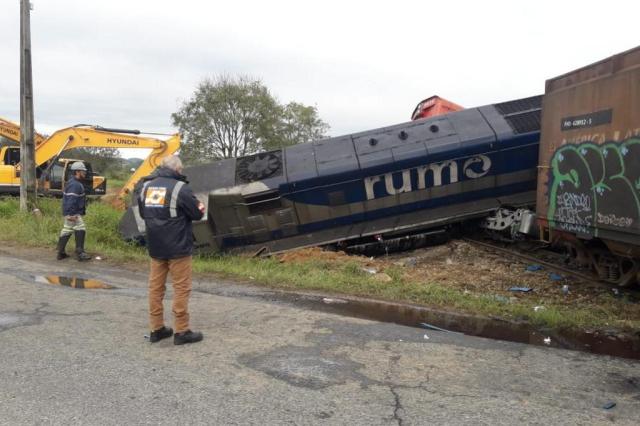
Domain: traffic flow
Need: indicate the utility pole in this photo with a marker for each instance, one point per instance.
(27, 146)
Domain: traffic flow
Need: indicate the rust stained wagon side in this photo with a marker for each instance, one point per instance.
(589, 165)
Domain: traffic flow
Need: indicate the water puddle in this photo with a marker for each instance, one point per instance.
(73, 282)
(626, 345)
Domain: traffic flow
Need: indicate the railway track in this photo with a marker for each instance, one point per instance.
(510, 251)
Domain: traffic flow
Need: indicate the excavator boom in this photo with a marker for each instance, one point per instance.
(98, 137)
(86, 136)
(11, 131)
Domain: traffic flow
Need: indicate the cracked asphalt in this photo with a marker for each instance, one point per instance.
(76, 356)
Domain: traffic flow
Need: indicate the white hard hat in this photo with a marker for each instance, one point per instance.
(78, 166)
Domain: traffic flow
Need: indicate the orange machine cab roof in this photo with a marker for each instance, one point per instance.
(433, 106)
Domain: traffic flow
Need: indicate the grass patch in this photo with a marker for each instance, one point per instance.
(101, 220)
(342, 275)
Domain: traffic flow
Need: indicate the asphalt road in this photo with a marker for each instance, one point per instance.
(72, 356)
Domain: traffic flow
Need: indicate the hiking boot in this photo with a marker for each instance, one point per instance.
(187, 337)
(62, 244)
(162, 333)
(81, 255)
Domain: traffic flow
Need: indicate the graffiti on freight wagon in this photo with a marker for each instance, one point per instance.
(595, 186)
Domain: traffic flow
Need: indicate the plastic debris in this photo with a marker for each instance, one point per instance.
(98, 258)
(609, 405)
(555, 277)
(426, 337)
(547, 340)
(370, 270)
(146, 336)
(433, 327)
(521, 289)
(534, 267)
(331, 301)
(538, 308)
(616, 292)
(565, 289)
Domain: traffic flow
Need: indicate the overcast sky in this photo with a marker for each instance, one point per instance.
(363, 64)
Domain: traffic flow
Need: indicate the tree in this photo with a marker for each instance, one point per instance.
(6, 142)
(298, 123)
(102, 160)
(236, 116)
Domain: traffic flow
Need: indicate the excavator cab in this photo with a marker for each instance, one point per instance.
(60, 173)
(11, 156)
(9, 176)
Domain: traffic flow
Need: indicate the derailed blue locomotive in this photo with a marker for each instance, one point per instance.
(404, 180)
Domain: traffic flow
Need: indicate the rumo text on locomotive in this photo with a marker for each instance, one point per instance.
(472, 168)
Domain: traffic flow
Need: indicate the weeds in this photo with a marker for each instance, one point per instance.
(343, 276)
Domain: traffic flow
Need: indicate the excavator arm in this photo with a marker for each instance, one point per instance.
(11, 131)
(83, 136)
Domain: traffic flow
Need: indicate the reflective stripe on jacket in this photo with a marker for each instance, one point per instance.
(73, 198)
(167, 205)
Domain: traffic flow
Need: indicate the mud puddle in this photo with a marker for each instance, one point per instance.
(73, 282)
(596, 342)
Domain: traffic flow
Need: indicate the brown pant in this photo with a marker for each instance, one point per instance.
(180, 271)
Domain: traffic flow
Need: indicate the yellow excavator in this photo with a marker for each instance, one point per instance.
(11, 131)
(53, 171)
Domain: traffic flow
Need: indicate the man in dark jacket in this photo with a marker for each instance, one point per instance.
(167, 205)
(73, 208)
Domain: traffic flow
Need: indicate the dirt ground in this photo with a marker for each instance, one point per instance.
(473, 270)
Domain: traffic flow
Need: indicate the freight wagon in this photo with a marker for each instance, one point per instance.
(589, 176)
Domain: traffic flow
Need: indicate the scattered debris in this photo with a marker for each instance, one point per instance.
(609, 405)
(370, 270)
(433, 327)
(98, 258)
(534, 267)
(538, 308)
(521, 289)
(330, 301)
(565, 289)
(547, 340)
(260, 252)
(555, 277)
(426, 337)
(475, 272)
(146, 336)
(252, 278)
